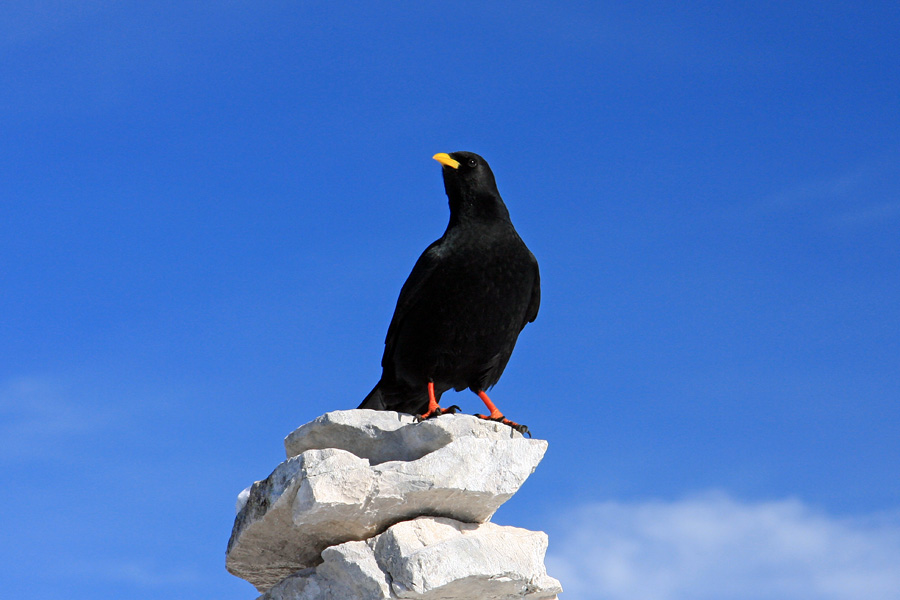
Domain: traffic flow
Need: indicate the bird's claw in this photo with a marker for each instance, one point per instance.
(437, 412)
(523, 429)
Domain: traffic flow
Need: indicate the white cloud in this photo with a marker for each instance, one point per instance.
(859, 198)
(36, 415)
(874, 214)
(816, 192)
(133, 572)
(715, 547)
(38, 19)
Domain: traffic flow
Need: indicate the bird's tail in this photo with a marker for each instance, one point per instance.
(375, 399)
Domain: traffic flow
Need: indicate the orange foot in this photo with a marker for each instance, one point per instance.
(496, 415)
(433, 409)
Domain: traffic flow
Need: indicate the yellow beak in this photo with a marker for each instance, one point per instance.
(444, 159)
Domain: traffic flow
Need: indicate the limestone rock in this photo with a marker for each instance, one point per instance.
(324, 497)
(242, 499)
(429, 559)
(348, 571)
(381, 436)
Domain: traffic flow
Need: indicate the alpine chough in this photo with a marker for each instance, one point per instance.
(466, 300)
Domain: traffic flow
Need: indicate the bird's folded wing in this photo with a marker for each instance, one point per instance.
(429, 263)
(535, 303)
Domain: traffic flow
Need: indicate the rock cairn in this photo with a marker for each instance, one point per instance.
(371, 505)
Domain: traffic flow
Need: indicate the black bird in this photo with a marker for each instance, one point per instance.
(462, 308)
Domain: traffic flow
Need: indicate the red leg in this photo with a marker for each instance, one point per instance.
(433, 409)
(496, 415)
(495, 412)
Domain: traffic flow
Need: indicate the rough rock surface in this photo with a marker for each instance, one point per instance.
(326, 496)
(429, 559)
(381, 435)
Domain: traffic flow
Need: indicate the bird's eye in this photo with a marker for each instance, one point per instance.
(473, 162)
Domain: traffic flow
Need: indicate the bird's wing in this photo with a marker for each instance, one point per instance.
(428, 263)
(535, 303)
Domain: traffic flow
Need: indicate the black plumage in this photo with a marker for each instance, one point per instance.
(468, 296)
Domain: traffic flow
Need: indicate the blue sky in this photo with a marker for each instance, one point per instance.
(208, 210)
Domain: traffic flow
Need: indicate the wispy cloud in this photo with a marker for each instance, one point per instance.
(869, 215)
(861, 197)
(815, 192)
(37, 415)
(133, 572)
(716, 547)
(26, 21)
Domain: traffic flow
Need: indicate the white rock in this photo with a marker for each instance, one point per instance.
(267, 500)
(242, 500)
(381, 435)
(324, 497)
(429, 559)
(348, 571)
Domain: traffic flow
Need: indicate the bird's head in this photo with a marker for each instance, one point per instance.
(470, 185)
